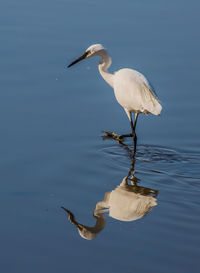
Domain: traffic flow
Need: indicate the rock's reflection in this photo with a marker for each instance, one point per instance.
(127, 202)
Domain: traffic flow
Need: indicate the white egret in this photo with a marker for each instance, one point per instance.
(132, 90)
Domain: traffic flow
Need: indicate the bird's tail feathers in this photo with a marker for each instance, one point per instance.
(151, 102)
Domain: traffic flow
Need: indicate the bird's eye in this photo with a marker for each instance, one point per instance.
(88, 52)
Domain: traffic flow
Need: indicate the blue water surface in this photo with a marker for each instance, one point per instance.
(53, 154)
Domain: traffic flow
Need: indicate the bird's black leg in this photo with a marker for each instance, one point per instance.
(133, 127)
(121, 137)
(113, 135)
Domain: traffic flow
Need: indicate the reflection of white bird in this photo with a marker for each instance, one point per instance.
(128, 202)
(132, 90)
(125, 203)
(87, 232)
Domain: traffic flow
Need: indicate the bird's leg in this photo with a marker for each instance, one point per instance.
(112, 135)
(121, 137)
(133, 126)
(133, 134)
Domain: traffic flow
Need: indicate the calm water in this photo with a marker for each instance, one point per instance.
(53, 155)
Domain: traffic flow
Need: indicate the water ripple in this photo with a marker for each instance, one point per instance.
(177, 167)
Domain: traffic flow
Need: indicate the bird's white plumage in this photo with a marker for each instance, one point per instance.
(134, 93)
(95, 48)
(132, 90)
(125, 204)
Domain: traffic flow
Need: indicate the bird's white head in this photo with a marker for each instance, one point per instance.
(93, 50)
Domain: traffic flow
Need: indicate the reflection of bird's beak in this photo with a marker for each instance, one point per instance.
(79, 59)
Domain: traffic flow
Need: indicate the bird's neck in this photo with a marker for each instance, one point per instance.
(103, 66)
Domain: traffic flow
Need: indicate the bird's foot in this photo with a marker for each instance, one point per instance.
(128, 135)
(112, 135)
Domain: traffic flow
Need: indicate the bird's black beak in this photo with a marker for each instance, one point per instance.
(79, 59)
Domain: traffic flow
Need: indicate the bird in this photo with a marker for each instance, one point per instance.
(131, 88)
